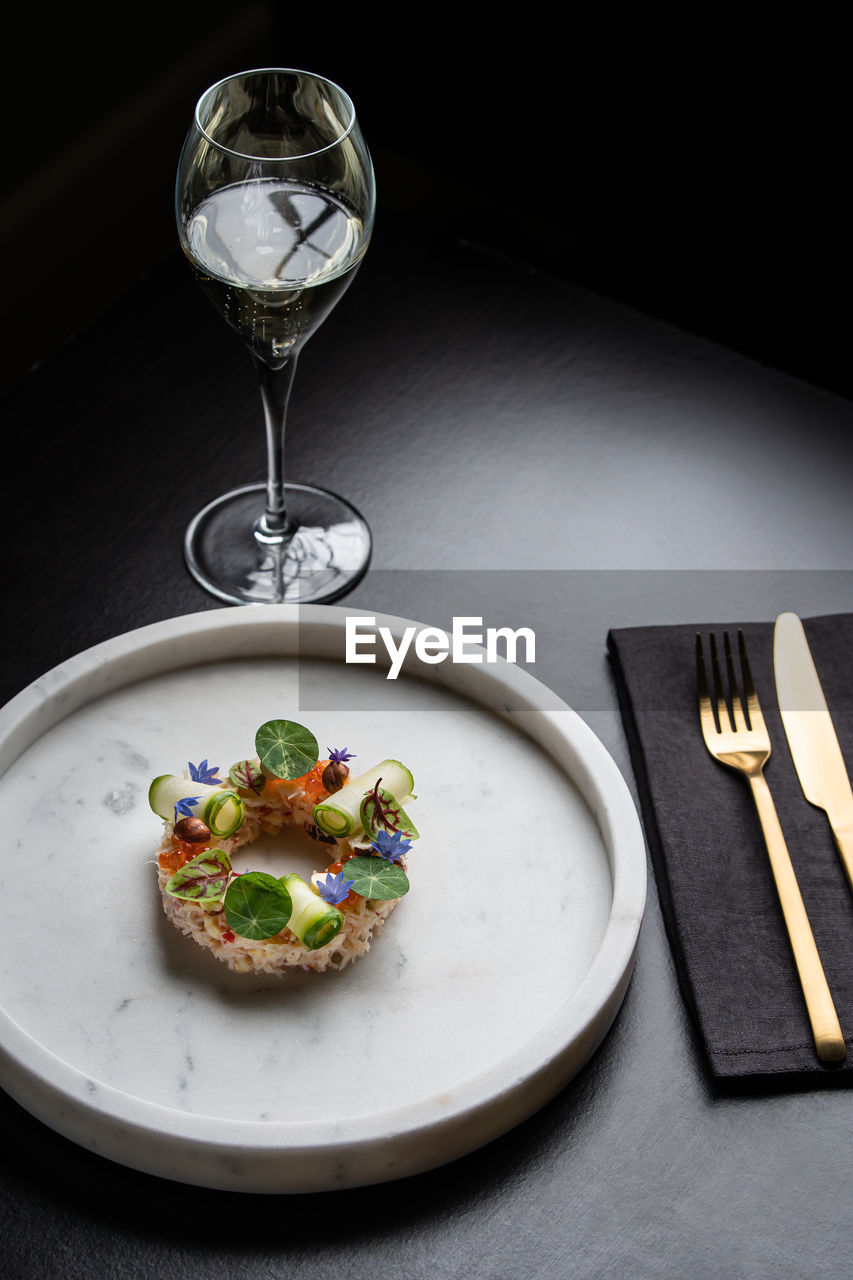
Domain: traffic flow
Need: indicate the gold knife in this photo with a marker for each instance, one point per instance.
(811, 734)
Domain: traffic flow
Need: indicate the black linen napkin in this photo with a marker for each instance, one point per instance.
(722, 915)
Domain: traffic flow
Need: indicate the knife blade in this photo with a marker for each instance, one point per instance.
(811, 734)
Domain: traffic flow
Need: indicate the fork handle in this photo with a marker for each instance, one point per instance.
(828, 1037)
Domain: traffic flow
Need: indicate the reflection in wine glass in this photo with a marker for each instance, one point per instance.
(275, 201)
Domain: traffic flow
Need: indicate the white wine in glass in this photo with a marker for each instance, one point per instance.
(275, 201)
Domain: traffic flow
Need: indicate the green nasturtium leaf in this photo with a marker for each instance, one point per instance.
(257, 905)
(374, 877)
(248, 775)
(286, 749)
(380, 812)
(203, 878)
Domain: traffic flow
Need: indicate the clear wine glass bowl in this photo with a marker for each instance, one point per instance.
(275, 200)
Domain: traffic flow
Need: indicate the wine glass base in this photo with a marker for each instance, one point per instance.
(324, 553)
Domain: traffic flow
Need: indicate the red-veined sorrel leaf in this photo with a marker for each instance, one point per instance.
(381, 812)
(247, 774)
(203, 878)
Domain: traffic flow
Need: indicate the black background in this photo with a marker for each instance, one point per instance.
(691, 162)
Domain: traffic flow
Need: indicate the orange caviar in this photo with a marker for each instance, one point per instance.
(312, 782)
(181, 852)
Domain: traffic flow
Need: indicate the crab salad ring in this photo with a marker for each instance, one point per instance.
(255, 922)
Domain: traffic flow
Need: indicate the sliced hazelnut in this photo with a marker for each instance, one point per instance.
(192, 830)
(335, 775)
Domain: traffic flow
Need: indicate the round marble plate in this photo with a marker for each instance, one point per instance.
(490, 986)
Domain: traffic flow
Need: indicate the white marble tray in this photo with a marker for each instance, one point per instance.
(491, 985)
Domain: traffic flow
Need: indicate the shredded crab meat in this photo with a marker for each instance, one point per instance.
(279, 805)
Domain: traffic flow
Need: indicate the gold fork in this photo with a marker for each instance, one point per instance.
(743, 743)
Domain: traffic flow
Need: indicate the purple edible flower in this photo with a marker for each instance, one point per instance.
(391, 846)
(341, 756)
(184, 808)
(334, 888)
(203, 772)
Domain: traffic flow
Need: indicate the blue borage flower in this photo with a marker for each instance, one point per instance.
(184, 808)
(391, 846)
(203, 772)
(340, 756)
(334, 888)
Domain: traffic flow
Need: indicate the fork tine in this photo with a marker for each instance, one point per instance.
(723, 715)
(738, 721)
(753, 706)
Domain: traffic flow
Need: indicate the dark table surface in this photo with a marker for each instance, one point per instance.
(580, 466)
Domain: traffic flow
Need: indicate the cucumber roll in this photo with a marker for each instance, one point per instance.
(340, 814)
(314, 921)
(222, 811)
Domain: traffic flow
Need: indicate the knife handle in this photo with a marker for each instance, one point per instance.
(844, 841)
(826, 1029)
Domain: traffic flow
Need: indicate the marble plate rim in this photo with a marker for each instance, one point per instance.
(250, 1155)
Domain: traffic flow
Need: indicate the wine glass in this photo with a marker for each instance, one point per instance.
(275, 199)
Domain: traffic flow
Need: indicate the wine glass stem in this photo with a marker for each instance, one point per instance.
(275, 386)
